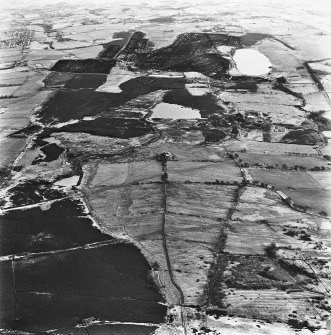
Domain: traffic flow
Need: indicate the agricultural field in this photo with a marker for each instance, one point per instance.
(256, 276)
(203, 171)
(165, 168)
(301, 187)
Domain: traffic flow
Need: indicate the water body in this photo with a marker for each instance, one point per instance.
(173, 111)
(68, 271)
(251, 62)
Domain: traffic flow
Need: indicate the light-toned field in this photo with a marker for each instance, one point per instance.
(269, 148)
(113, 174)
(281, 57)
(203, 171)
(182, 151)
(14, 77)
(9, 90)
(256, 284)
(251, 238)
(70, 45)
(276, 98)
(324, 178)
(10, 55)
(114, 205)
(192, 226)
(273, 305)
(191, 263)
(211, 201)
(41, 54)
(327, 150)
(9, 150)
(278, 113)
(88, 52)
(316, 102)
(285, 179)
(301, 187)
(317, 199)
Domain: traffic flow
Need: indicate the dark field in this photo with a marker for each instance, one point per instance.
(58, 79)
(60, 289)
(111, 127)
(34, 230)
(250, 39)
(304, 136)
(188, 53)
(110, 51)
(75, 81)
(57, 290)
(84, 65)
(32, 191)
(114, 329)
(86, 80)
(52, 152)
(68, 104)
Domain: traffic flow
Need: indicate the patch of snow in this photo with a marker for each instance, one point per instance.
(327, 115)
(173, 111)
(224, 49)
(327, 133)
(197, 89)
(192, 75)
(62, 124)
(115, 78)
(68, 182)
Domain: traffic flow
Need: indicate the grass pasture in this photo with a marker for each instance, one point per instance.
(270, 148)
(301, 187)
(114, 174)
(285, 179)
(203, 171)
(211, 201)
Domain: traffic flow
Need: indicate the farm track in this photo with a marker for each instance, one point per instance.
(164, 238)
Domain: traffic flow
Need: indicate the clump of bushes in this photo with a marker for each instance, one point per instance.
(271, 250)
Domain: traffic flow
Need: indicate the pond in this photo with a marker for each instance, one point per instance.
(251, 62)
